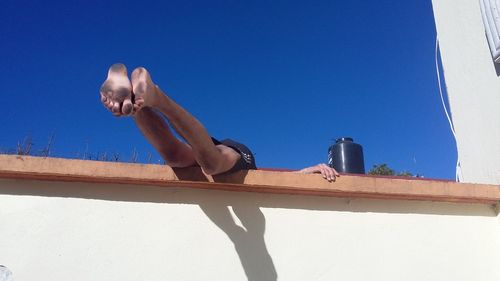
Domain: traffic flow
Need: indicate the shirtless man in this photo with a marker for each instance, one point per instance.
(141, 98)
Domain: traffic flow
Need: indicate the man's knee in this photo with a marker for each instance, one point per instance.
(215, 167)
(217, 163)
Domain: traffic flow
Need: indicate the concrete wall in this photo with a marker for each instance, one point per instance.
(473, 86)
(77, 231)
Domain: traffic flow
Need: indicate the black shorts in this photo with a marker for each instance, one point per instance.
(247, 160)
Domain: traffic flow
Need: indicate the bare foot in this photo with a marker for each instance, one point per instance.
(116, 91)
(143, 87)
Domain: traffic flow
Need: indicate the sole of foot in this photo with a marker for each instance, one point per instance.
(142, 87)
(116, 91)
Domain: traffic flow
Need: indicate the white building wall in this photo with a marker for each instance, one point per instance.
(473, 87)
(76, 231)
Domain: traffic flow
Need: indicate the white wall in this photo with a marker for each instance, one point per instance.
(75, 231)
(473, 87)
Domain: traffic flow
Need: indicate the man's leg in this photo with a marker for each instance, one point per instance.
(157, 132)
(213, 159)
(116, 95)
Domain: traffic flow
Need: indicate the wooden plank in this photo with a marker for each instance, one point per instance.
(57, 169)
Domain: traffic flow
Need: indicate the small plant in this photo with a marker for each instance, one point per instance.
(135, 155)
(45, 152)
(381, 170)
(24, 147)
(385, 170)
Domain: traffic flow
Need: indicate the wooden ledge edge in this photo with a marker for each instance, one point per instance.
(70, 170)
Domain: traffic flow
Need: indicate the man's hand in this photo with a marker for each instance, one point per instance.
(327, 172)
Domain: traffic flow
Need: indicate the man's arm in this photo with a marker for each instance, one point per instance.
(327, 172)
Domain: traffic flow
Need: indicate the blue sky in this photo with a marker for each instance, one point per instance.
(283, 77)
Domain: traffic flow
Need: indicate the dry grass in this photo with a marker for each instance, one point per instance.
(26, 146)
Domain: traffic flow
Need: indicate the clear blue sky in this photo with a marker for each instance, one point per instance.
(284, 77)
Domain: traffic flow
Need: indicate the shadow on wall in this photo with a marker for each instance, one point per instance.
(497, 68)
(248, 240)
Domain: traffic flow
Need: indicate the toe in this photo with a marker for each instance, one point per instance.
(108, 103)
(115, 107)
(127, 107)
(136, 108)
(139, 102)
(109, 106)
